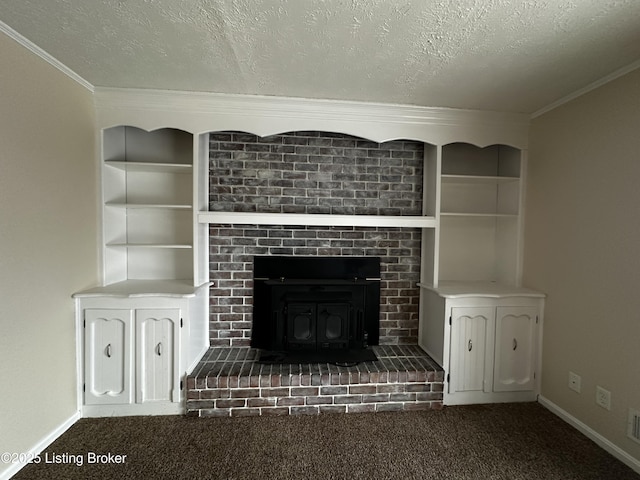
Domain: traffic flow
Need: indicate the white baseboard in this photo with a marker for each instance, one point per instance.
(602, 442)
(40, 446)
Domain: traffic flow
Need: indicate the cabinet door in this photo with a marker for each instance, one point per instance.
(471, 348)
(515, 348)
(157, 367)
(107, 356)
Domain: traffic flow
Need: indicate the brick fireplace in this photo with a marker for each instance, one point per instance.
(313, 173)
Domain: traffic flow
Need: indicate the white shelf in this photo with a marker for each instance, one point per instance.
(151, 245)
(150, 166)
(149, 205)
(471, 214)
(477, 179)
(257, 218)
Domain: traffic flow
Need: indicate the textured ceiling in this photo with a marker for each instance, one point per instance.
(506, 55)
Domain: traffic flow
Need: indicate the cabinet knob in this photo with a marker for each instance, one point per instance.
(470, 345)
(108, 351)
(159, 349)
(515, 343)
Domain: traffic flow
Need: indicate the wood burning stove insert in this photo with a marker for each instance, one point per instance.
(316, 309)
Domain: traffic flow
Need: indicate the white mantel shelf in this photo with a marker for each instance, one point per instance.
(320, 220)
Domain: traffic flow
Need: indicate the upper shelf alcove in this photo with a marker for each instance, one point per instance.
(147, 189)
(480, 228)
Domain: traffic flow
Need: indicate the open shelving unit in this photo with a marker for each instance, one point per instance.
(479, 227)
(147, 204)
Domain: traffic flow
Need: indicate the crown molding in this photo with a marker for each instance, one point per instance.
(29, 45)
(592, 86)
(275, 106)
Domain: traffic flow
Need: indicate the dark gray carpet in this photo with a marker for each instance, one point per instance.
(510, 441)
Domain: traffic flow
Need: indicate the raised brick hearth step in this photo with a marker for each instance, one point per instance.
(229, 382)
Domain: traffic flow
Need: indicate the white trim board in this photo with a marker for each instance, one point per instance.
(247, 105)
(201, 112)
(39, 447)
(29, 45)
(601, 441)
(331, 220)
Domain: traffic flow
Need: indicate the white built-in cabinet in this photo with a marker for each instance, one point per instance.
(487, 340)
(476, 319)
(145, 327)
(138, 348)
(118, 339)
(154, 222)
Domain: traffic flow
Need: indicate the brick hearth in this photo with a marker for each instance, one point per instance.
(229, 382)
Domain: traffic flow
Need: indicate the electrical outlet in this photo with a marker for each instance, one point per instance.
(603, 398)
(575, 382)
